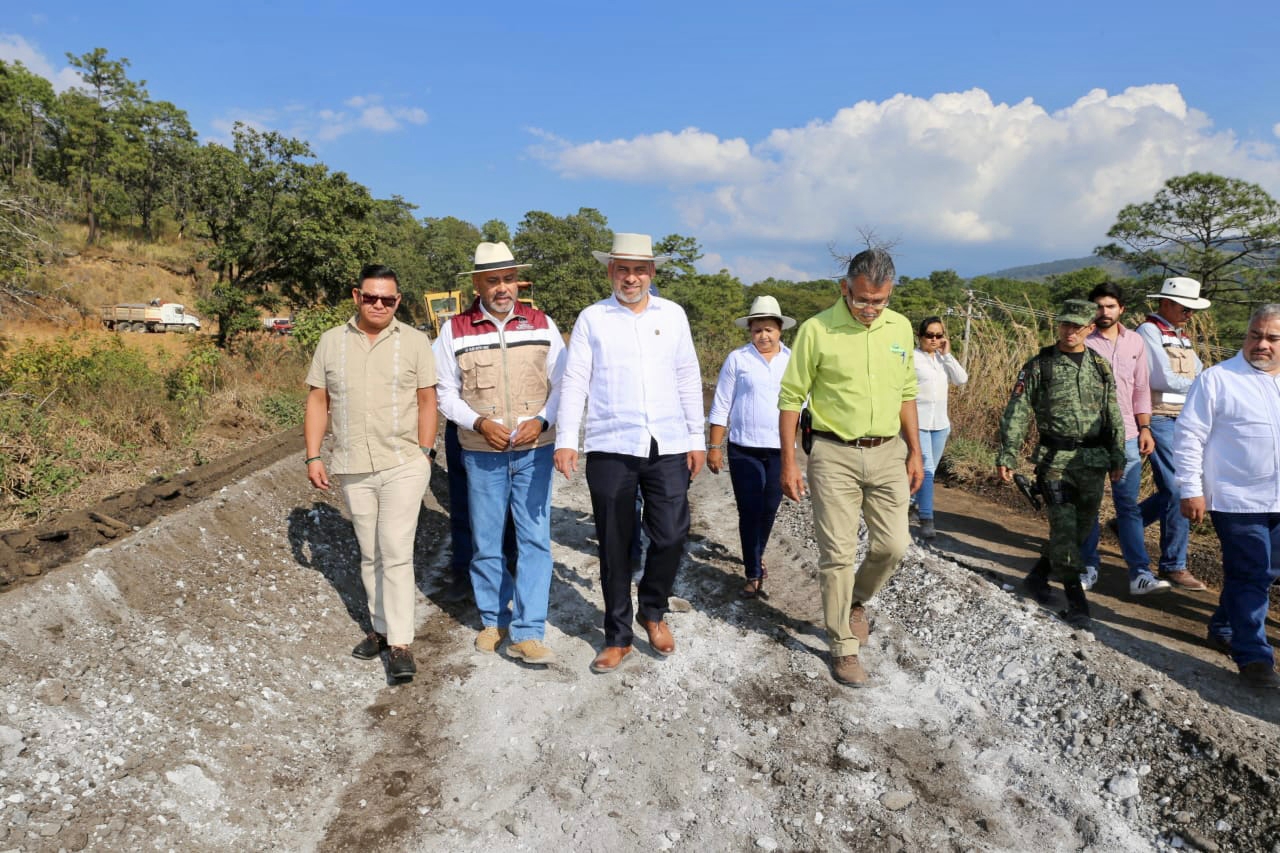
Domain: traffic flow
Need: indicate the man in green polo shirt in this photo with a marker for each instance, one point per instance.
(853, 363)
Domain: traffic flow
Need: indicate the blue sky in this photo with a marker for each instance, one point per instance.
(979, 136)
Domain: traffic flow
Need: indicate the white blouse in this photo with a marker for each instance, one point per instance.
(934, 372)
(746, 397)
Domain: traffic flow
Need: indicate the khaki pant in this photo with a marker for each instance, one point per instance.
(847, 483)
(384, 510)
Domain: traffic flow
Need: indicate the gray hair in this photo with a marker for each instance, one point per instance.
(875, 264)
(1265, 311)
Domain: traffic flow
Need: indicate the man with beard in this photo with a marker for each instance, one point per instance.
(1227, 453)
(1127, 354)
(631, 361)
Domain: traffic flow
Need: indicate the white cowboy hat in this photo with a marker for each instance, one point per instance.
(494, 256)
(761, 307)
(631, 247)
(1184, 291)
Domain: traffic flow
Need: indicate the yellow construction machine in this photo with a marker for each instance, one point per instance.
(442, 305)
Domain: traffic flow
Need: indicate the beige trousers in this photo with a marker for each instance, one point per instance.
(384, 510)
(847, 483)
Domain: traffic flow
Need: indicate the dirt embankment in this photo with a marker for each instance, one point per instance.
(189, 686)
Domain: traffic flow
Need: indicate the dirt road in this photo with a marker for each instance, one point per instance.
(190, 687)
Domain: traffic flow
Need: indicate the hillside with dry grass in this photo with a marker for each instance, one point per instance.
(86, 413)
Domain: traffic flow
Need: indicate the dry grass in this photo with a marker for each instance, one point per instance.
(998, 347)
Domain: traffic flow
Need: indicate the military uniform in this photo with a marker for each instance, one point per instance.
(1081, 439)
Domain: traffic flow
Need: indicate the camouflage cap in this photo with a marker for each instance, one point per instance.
(1078, 312)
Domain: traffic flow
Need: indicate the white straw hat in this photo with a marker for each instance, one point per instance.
(631, 247)
(494, 256)
(765, 306)
(1184, 291)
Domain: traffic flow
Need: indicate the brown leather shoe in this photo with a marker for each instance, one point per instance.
(660, 639)
(1184, 580)
(610, 658)
(859, 625)
(847, 669)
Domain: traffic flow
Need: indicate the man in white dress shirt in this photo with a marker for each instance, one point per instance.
(631, 361)
(1227, 455)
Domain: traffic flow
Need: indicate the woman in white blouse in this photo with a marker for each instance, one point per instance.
(746, 408)
(936, 369)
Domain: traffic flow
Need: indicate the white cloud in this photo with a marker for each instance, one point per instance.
(689, 156)
(324, 124)
(1276, 129)
(750, 269)
(15, 48)
(955, 168)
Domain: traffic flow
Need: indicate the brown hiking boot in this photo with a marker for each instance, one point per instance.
(1183, 579)
(847, 669)
(859, 625)
(489, 638)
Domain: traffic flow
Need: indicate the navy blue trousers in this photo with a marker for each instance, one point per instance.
(756, 473)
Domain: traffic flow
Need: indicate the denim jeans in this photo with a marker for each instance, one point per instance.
(1165, 504)
(932, 443)
(460, 511)
(1250, 565)
(519, 481)
(756, 473)
(1124, 494)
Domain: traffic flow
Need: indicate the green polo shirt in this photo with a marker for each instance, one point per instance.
(856, 377)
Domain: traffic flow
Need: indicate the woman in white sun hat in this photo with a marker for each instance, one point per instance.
(746, 409)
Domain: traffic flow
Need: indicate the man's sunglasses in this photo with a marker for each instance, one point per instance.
(373, 299)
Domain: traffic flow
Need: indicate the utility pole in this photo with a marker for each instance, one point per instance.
(968, 319)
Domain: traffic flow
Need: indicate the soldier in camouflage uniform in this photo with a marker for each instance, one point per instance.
(1071, 393)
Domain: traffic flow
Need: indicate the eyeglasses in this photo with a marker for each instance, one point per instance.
(879, 304)
(374, 298)
(933, 337)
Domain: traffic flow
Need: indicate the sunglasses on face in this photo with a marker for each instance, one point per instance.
(373, 299)
(933, 336)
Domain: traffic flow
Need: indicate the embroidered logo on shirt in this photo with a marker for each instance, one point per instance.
(897, 350)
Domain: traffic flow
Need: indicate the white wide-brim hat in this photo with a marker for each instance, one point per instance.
(494, 256)
(765, 307)
(1182, 290)
(631, 247)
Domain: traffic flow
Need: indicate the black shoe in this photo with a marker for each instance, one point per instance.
(913, 515)
(401, 664)
(1260, 674)
(1037, 583)
(370, 647)
(1077, 613)
(458, 588)
(927, 530)
(1219, 643)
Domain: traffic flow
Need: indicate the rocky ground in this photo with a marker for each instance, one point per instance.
(188, 686)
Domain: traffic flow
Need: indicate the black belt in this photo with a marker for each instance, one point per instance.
(868, 441)
(1056, 442)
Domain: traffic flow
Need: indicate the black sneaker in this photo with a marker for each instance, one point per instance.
(401, 666)
(1219, 643)
(370, 647)
(927, 530)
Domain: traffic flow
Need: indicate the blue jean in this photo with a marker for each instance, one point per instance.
(1124, 494)
(932, 443)
(1250, 565)
(460, 511)
(519, 481)
(756, 473)
(1166, 503)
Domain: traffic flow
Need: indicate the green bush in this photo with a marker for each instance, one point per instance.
(283, 410)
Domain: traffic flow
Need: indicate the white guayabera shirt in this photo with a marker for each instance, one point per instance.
(638, 376)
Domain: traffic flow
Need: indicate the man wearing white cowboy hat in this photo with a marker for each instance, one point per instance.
(745, 411)
(1174, 365)
(631, 361)
(499, 365)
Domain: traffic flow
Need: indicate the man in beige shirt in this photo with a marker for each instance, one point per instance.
(376, 378)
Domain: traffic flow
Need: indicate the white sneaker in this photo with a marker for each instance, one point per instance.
(1143, 584)
(1089, 577)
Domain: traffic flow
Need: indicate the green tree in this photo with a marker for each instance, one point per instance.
(91, 137)
(566, 277)
(495, 231)
(27, 103)
(157, 155)
(1213, 229)
(279, 227)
